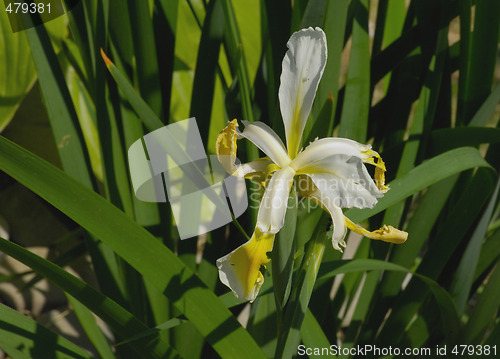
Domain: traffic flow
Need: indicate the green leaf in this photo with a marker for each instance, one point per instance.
(136, 246)
(487, 109)
(446, 139)
(312, 335)
(356, 106)
(16, 68)
(147, 115)
(94, 333)
(247, 14)
(206, 68)
(283, 253)
(420, 226)
(449, 316)
(62, 115)
(490, 251)
(439, 256)
(237, 59)
(262, 323)
(484, 311)
(120, 320)
(289, 333)
(141, 25)
(464, 275)
(22, 337)
(478, 66)
(422, 176)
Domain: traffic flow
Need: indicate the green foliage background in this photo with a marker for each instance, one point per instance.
(417, 79)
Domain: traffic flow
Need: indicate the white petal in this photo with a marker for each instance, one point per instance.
(302, 69)
(326, 147)
(267, 140)
(338, 219)
(345, 180)
(272, 209)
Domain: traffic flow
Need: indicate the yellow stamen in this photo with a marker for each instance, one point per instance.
(386, 233)
(375, 159)
(225, 146)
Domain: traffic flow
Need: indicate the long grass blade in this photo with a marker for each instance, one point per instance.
(135, 245)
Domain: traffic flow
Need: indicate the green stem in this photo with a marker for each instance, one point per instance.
(289, 335)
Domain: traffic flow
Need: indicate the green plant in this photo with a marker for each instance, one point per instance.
(217, 60)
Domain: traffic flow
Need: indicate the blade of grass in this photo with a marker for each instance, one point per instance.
(490, 252)
(120, 320)
(145, 113)
(451, 233)
(484, 311)
(31, 340)
(17, 68)
(450, 319)
(481, 58)
(262, 323)
(312, 334)
(289, 332)
(464, 275)
(59, 105)
(237, 59)
(276, 17)
(206, 66)
(487, 109)
(135, 245)
(356, 106)
(165, 14)
(333, 23)
(144, 51)
(422, 120)
(420, 226)
(422, 176)
(445, 139)
(69, 140)
(92, 330)
(283, 253)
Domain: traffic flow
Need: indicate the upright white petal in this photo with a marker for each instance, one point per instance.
(302, 68)
(338, 218)
(267, 140)
(271, 216)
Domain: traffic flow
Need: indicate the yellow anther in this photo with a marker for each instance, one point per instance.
(386, 233)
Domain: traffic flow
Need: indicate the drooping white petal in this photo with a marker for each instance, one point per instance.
(338, 219)
(273, 206)
(349, 170)
(267, 141)
(240, 269)
(345, 180)
(302, 69)
(326, 147)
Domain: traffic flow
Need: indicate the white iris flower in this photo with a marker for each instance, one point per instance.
(333, 168)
